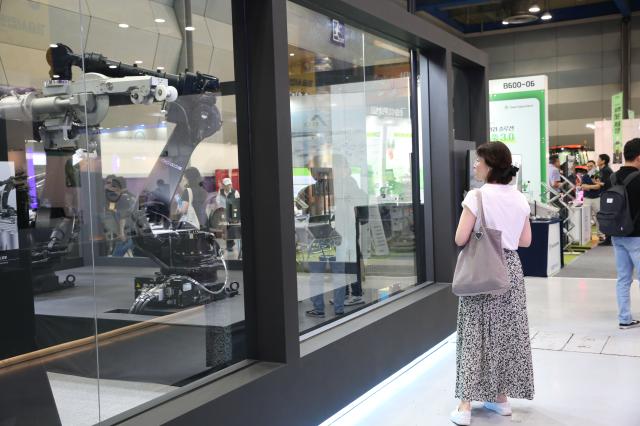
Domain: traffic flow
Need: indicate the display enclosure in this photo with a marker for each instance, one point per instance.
(121, 215)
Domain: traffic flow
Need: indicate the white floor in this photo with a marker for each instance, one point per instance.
(587, 371)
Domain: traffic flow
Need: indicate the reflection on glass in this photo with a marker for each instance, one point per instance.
(120, 233)
(352, 144)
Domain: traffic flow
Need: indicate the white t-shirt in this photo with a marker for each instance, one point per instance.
(505, 209)
(553, 174)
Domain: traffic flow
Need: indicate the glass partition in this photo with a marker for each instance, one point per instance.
(352, 146)
(120, 230)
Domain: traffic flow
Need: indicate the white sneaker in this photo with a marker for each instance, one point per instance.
(353, 300)
(461, 418)
(502, 408)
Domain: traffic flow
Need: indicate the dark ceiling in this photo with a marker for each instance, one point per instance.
(471, 16)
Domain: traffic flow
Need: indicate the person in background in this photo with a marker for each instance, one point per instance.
(229, 198)
(592, 190)
(592, 169)
(119, 208)
(605, 173)
(194, 195)
(158, 205)
(493, 349)
(318, 200)
(553, 172)
(226, 196)
(627, 249)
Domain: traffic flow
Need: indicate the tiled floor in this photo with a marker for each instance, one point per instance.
(587, 371)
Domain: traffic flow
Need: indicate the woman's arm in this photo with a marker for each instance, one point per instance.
(525, 237)
(465, 227)
(184, 207)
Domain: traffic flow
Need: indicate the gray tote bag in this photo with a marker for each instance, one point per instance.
(480, 268)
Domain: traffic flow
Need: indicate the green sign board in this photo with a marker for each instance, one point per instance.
(616, 120)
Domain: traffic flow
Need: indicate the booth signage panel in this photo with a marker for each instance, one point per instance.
(518, 112)
(616, 118)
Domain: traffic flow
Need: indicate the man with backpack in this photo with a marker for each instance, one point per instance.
(619, 217)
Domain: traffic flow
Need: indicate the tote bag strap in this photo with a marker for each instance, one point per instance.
(483, 222)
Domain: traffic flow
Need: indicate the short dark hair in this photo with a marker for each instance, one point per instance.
(591, 161)
(498, 157)
(553, 158)
(605, 158)
(632, 149)
(194, 178)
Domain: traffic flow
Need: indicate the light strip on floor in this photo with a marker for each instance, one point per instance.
(396, 382)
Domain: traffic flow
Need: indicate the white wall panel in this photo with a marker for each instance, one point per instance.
(35, 25)
(201, 35)
(579, 94)
(136, 13)
(575, 127)
(24, 67)
(536, 66)
(70, 5)
(221, 34)
(220, 10)
(202, 54)
(126, 45)
(222, 65)
(168, 54)
(576, 39)
(170, 27)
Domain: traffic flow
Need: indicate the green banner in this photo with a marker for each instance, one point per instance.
(616, 120)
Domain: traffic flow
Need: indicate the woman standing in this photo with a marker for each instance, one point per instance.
(493, 348)
(194, 197)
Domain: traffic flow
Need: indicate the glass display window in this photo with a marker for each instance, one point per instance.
(120, 222)
(352, 176)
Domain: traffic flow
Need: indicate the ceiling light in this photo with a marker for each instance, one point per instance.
(160, 68)
(292, 54)
(138, 61)
(534, 9)
(505, 22)
(546, 16)
(123, 25)
(160, 20)
(113, 66)
(189, 28)
(53, 45)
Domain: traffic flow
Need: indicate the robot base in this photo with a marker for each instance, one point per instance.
(47, 282)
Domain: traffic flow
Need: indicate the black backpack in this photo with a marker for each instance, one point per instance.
(614, 217)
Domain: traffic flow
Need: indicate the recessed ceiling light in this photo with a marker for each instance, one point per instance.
(160, 68)
(189, 28)
(546, 16)
(534, 9)
(113, 66)
(292, 54)
(160, 20)
(123, 25)
(138, 61)
(53, 45)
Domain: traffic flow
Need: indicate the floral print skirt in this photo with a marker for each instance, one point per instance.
(493, 346)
